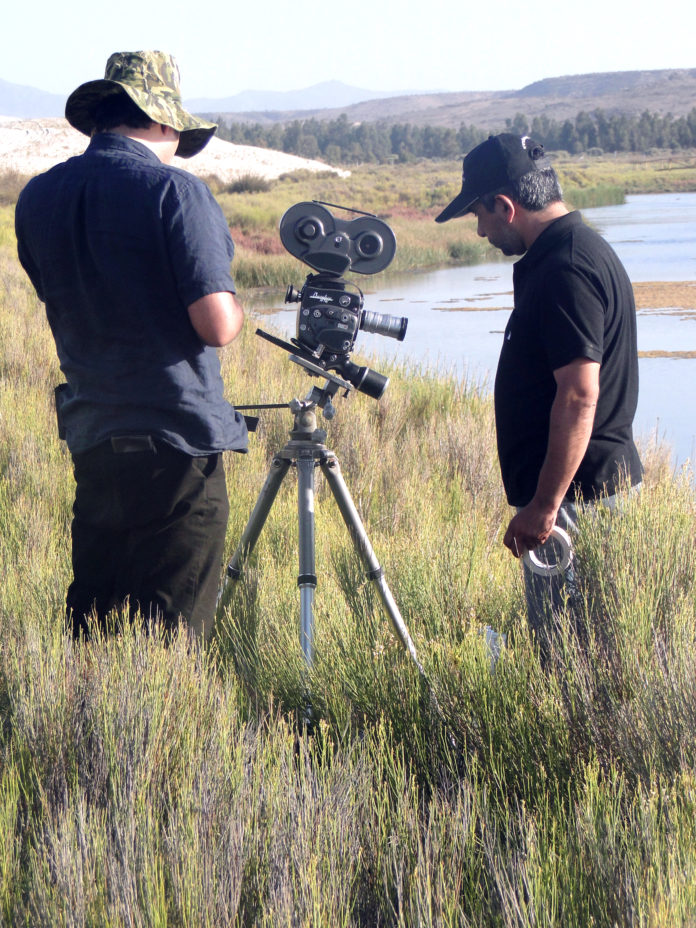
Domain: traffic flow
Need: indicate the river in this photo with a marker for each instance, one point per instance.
(457, 315)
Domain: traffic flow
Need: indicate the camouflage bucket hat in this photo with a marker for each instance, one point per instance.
(151, 80)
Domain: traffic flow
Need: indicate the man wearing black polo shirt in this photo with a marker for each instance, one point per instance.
(566, 387)
(131, 257)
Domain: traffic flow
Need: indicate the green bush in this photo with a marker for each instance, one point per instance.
(248, 183)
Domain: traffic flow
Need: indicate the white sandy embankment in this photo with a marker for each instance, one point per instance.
(30, 146)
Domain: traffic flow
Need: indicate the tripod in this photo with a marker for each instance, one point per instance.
(306, 450)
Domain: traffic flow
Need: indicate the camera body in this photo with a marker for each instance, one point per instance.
(328, 322)
(330, 314)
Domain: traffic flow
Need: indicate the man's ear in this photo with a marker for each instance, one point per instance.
(506, 205)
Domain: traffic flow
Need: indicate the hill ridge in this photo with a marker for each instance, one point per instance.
(661, 91)
(629, 93)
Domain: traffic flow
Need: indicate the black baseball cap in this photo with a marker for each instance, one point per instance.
(492, 165)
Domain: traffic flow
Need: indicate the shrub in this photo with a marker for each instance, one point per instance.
(466, 252)
(248, 183)
(11, 183)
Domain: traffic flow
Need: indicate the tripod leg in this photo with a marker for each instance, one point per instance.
(257, 519)
(307, 579)
(332, 472)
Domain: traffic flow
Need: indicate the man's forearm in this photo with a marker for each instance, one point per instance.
(570, 429)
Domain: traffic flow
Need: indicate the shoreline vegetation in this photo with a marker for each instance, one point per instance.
(153, 783)
(343, 142)
(408, 197)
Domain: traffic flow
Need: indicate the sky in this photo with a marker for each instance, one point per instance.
(223, 47)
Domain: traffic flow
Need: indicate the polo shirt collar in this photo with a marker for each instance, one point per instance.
(549, 238)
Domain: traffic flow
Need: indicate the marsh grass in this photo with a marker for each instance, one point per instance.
(408, 197)
(149, 782)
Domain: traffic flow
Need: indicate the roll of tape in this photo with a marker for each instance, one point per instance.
(553, 557)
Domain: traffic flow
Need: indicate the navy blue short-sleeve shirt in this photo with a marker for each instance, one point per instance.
(118, 246)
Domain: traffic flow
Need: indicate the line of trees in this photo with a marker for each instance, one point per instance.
(338, 141)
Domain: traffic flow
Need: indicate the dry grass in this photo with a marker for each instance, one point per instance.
(151, 784)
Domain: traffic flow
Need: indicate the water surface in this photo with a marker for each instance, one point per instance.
(457, 315)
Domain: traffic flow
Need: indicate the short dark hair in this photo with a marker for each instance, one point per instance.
(533, 191)
(118, 109)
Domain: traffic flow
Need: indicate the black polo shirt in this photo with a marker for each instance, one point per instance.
(118, 246)
(573, 299)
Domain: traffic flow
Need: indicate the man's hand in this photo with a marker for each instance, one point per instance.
(217, 318)
(529, 528)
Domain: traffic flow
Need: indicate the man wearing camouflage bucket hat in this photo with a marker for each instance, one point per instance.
(131, 257)
(151, 80)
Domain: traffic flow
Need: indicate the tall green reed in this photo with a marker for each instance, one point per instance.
(145, 781)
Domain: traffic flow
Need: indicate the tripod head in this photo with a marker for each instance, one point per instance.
(317, 397)
(320, 397)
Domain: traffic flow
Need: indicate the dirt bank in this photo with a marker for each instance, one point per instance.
(666, 296)
(30, 146)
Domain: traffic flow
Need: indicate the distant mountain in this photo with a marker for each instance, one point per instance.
(320, 96)
(630, 92)
(558, 98)
(607, 83)
(29, 103)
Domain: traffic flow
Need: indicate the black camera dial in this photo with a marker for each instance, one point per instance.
(369, 245)
(309, 228)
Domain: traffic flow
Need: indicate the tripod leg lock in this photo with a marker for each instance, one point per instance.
(307, 580)
(376, 574)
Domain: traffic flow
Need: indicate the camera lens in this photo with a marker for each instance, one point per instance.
(384, 324)
(369, 245)
(364, 379)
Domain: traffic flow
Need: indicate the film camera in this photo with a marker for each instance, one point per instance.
(329, 317)
(331, 310)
